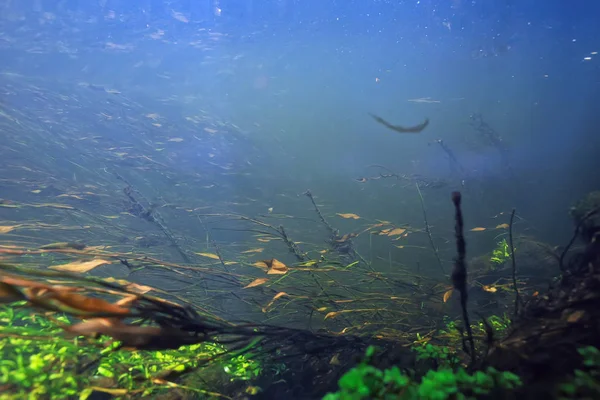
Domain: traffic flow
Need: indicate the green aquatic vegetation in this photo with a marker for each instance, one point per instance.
(585, 383)
(368, 382)
(443, 355)
(451, 333)
(501, 253)
(38, 361)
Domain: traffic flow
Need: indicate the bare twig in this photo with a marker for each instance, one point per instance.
(428, 231)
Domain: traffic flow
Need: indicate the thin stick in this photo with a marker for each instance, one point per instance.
(428, 231)
(459, 272)
(514, 262)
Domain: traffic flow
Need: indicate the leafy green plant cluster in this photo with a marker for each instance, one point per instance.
(501, 253)
(585, 384)
(443, 355)
(451, 333)
(38, 361)
(368, 382)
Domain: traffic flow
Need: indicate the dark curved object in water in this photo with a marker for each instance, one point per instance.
(399, 128)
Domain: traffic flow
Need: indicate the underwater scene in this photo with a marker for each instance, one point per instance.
(299, 199)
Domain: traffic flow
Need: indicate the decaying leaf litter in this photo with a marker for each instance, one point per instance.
(76, 205)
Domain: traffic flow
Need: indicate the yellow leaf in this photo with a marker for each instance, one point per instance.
(322, 251)
(478, 229)
(79, 266)
(209, 255)
(447, 295)
(400, 247)
(321, 309)
(262, 265)
(114, 392)
(503, 226)
(489, 288)
(350, 215)
(36, 191)
(332, 314)
(134, 287)
(397, 231)
(257, 282)
(7, 228)
(53, 205)
(259, 250)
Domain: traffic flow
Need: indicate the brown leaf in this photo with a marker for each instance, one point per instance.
(478, 229)
(397, 231)
(80, 266)
(332, 314)
(447, 295)
(7, 228)
(73, 302)
(349, 215)
(257, 282)
(259, 250)
(277, 296)
(276, 267)
(208, 255)
(134, 287)
(576, 316)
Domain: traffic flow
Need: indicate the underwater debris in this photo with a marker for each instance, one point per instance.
(399, 128)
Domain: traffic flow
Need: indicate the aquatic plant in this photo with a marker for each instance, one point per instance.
(501, 253)
(585, 383)
(368, 382)
(38, 362)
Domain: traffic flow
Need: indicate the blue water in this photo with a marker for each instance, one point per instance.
(300, 77)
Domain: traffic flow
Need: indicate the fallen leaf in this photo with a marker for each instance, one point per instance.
(447, 295)
(397, 231)
(478, 229)
(276, 267)
(257, 282)
(490, 288)
(277, 296)
(332, 314)
(37, 191)
(7, 228)
(79, 266)
(114, 392)
(576, 316)
(503, 226)
(175, 139)
(321, 309)
(208, 255)
(75, 303)
(259, 250)
(350, 215)
(134, 287)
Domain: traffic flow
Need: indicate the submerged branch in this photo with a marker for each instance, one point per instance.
(400, 128)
